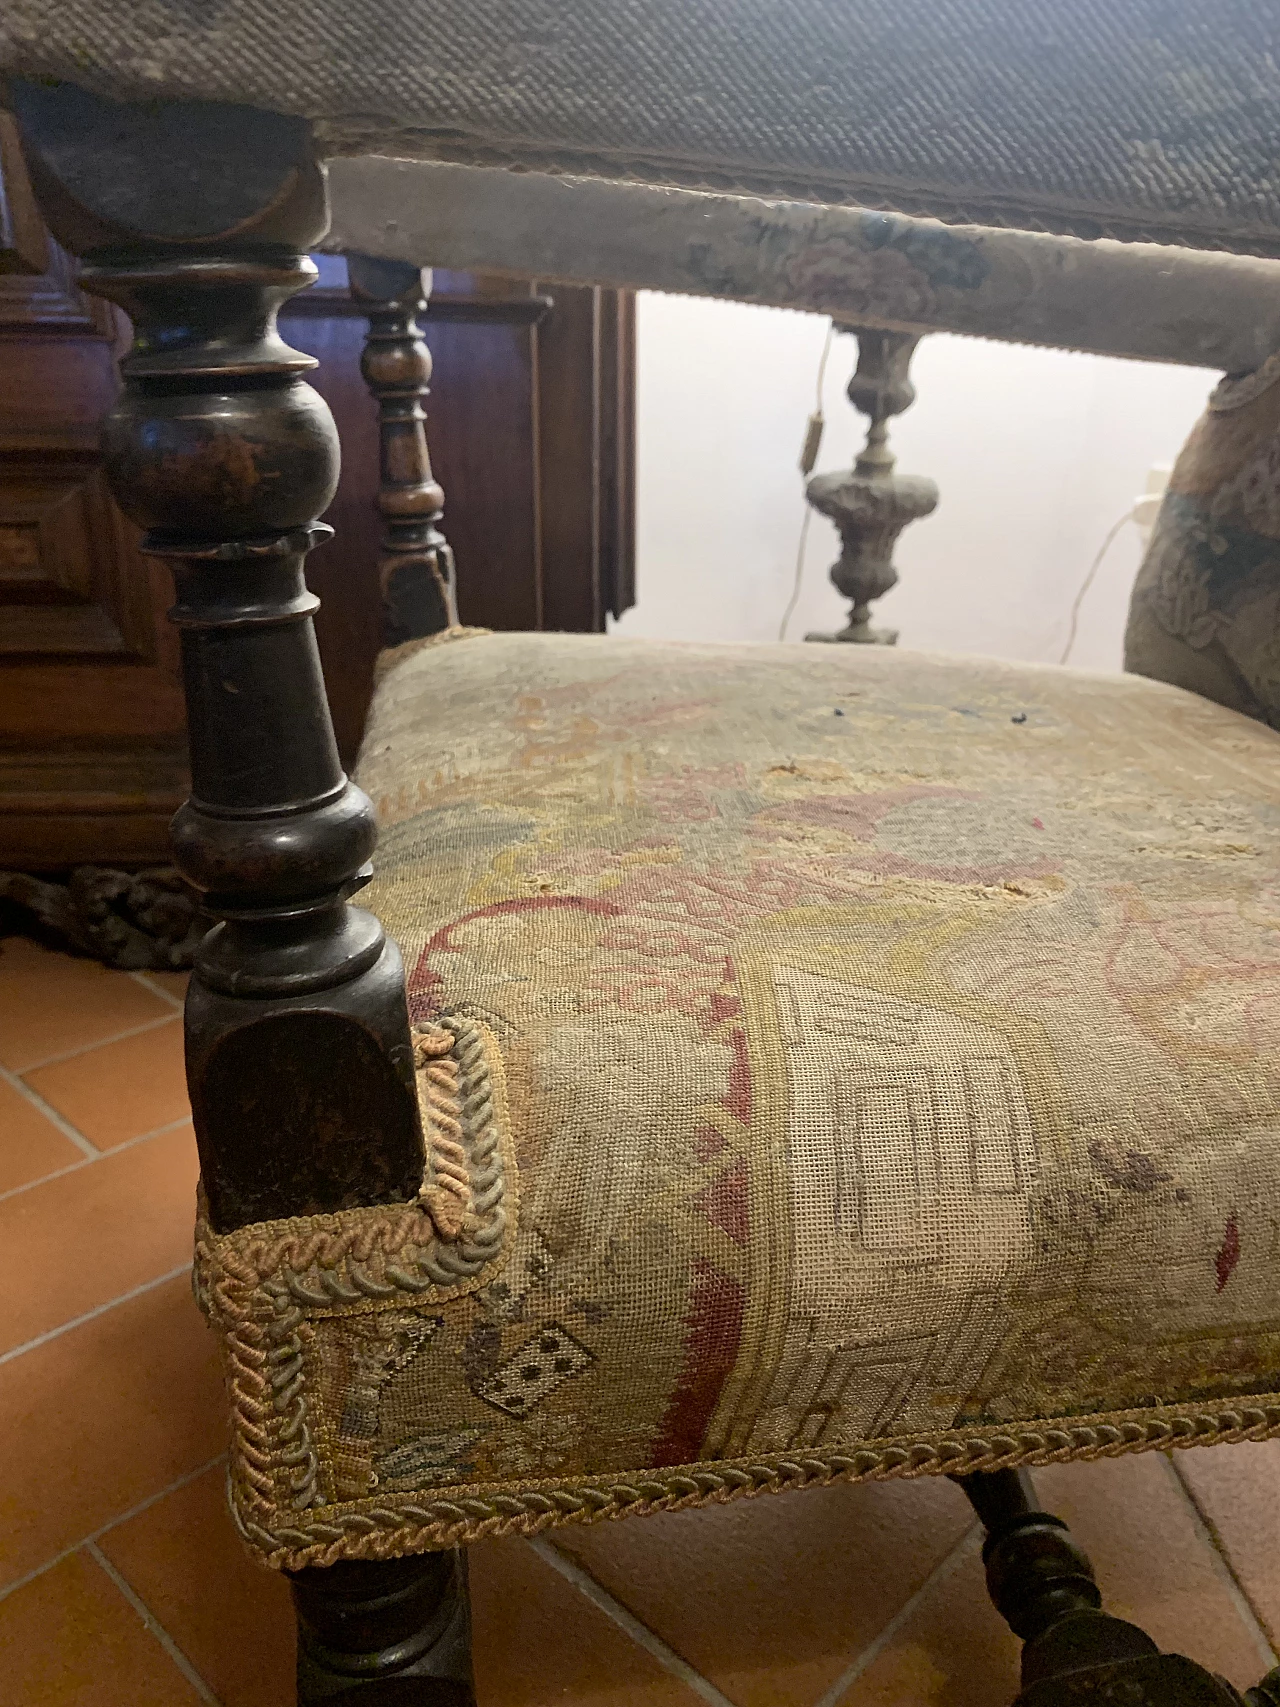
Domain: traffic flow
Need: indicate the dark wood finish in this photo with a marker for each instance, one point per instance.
(298, 1042)
(416, 579)
(616, 407)
(297, 1032)
(587, 565)
(92, 756)
(394, 1633)
(218, 448)
(92, 761)
(495, 356)
(24, 245)
(1043, 1586)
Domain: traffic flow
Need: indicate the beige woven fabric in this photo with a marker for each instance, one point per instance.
(892, 1053)
(1105, 117)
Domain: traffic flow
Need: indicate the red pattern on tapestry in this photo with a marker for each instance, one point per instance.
(725, 1203)
(713, 1331)
(737, 1099)
(708, 1141)
(426, 986)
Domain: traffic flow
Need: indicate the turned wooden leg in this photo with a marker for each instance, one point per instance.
(1075, 1654)
(196, 220)
(404, 1626)
(871, 505)
(419, 592)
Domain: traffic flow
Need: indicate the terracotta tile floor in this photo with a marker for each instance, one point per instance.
(121, 1581)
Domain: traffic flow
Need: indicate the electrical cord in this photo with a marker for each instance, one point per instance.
(1113, 534)
(808, 458)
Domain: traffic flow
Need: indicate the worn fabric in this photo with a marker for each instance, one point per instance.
(318, 1313)
(1205, 611)
(891, 1046)
(1108, 117)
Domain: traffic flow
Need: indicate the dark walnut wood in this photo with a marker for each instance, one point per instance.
(221, 452)
(1043, 1586)
(195, 220)
(391, 1635)
(531, 437)
(92, 760)
(415, 567)
(24, 244)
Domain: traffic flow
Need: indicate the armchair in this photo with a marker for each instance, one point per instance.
(836, 1064)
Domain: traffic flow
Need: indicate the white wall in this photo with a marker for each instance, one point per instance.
(1036, 452)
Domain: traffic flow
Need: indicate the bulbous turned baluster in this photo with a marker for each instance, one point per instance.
(871, 505)
(416, 567)
(196, 220)
(1074, 1653)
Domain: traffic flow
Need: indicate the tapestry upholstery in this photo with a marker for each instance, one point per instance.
(885, 1054)
(1205, 611)
(1128, 118)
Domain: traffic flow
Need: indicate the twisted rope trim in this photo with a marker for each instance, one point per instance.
(263, 1285)
(433, 1248)
(390, 1527)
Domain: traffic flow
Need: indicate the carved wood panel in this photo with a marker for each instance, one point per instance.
(530, 424)
(91, 723)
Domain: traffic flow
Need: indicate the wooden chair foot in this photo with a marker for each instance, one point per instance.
(385, 1634)
(1043, 1586)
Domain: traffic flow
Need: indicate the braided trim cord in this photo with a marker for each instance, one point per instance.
(267, 1286)
(439, 1246)
(389, 1528)
(263, 1285)
(446, 1193)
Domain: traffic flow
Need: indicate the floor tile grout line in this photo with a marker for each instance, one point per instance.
(946, 1566)
(152, 1624)
(98, 1156)
(640, 1634)
(105, 1529)
(91, 1151)
(1234, 1585)
(92, 1315)
(102, 1042)
(158, 990)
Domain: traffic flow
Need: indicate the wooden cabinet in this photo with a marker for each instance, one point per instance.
(530, 422)
(531, 433)
(91, 719)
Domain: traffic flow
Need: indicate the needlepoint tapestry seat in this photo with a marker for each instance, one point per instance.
(886, 1065)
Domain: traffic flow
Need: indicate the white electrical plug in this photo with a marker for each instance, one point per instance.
(1147, 505)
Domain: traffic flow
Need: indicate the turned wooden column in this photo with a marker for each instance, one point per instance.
(196, 222)
(196, 219)
(871, 505)
(1074, 1653)
(415, 568)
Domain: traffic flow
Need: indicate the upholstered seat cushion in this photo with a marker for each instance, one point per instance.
(892, 1059)
(1126, 118)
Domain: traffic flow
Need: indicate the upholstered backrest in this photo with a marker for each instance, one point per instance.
(1130, 118)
